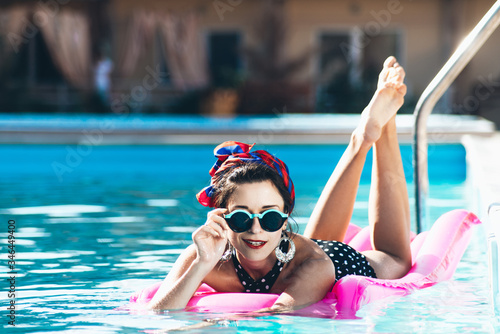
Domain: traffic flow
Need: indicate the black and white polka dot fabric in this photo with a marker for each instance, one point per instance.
(346, 259)
(263, 284)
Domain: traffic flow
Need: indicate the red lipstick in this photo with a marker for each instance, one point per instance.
(254, 244)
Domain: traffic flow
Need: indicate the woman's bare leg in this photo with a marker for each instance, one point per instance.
(389, 209)
(332, 213)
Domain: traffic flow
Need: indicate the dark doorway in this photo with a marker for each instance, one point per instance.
(224, 58)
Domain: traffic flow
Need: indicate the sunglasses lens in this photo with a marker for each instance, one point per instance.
(239, 222)
(272, 221)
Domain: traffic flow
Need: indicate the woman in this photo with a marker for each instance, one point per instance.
(245, 246)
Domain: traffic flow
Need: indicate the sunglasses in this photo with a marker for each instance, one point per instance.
(240, 220)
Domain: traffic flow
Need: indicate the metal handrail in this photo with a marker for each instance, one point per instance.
(436, 88)
(494, 256)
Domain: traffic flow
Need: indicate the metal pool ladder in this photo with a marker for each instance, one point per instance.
(436, 88)
(494, 255)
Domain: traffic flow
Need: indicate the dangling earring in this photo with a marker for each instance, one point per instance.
(282, 257)
(228, 253)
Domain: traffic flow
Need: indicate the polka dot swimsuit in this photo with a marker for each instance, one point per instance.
(263, 284)
(346, 259)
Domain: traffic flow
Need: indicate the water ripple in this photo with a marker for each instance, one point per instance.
(162, 202)
(95, 220)
(69, 210)
(74, 269)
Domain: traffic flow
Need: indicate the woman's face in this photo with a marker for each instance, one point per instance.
(255, 244)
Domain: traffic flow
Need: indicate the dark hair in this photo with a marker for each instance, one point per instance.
(226, 182)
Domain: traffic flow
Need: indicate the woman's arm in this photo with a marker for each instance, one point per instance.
(194, 264)
(181, 282)
(310, 282)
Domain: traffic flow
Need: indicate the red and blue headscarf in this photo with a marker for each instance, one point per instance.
(232, 153)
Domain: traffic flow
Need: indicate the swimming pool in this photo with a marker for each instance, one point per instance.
(94, 225)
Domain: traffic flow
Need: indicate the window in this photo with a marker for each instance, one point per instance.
(44, 67)
(224, 58)
(349, 64)
(34, 64)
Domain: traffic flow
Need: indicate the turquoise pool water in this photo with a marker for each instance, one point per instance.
(92, 226)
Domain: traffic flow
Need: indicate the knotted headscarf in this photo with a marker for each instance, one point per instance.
(232, 153)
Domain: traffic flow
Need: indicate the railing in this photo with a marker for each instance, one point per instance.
(467, 49)
(494, 255)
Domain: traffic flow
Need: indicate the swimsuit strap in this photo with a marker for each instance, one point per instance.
(261, 285)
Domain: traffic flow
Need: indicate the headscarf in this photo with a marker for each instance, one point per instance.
(232, 153)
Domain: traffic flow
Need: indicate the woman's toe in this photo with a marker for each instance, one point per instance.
(390, 61)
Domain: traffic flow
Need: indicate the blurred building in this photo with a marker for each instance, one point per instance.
(244, 56)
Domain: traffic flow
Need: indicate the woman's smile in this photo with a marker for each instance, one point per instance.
(255, 244)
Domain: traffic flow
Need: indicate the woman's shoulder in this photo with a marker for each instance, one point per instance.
(307, 248)
(309, 259)
(300, 239)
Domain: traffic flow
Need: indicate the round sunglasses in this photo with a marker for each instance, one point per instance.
(240, 220)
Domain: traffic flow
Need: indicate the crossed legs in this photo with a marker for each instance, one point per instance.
(389, 215)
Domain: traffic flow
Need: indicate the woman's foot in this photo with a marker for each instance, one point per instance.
(385, 103)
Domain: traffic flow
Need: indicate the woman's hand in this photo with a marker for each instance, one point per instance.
(194, 264)
(210, 239)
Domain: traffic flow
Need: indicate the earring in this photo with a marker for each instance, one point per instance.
(227, 254)
(282, 257)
